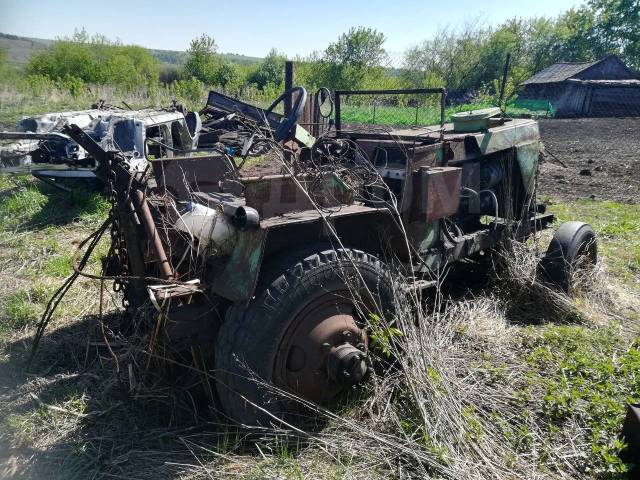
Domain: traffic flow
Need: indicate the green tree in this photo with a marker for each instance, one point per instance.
(229, 76)
(95, 60)
(451, 58)
(270, 70)
(201, 60)
(541, 44)
(617, 28)
(575, 36)
(358, 53)
(359, 47)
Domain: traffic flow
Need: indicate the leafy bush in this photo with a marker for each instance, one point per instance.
(74, 85)
(191, 90)
(270, 71)
(94, 60)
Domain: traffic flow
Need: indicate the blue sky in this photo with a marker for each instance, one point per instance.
(252, 27)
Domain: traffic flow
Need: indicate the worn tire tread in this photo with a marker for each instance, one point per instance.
(284, 283)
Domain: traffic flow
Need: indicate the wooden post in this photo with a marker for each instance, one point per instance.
(288, 83)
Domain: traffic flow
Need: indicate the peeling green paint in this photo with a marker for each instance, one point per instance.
(505, 138)
(237, 280)
(527, 156)
(423, 235)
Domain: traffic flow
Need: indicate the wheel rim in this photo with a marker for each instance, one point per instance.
(323, 351)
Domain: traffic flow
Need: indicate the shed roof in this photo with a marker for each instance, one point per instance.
(559, 72)
(632, 82)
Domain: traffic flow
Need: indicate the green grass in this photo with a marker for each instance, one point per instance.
(429, 115)
(26, 203)
(587, 375)
(38, 225)
(19, 310)
(618, 228)
(21, 204)
(59, 266)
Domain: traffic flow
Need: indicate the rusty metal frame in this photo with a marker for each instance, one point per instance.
(409, 91)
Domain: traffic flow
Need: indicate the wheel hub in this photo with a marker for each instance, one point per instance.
(324, 351)
(347, 364)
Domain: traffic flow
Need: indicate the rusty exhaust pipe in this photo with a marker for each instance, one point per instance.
(144, 214)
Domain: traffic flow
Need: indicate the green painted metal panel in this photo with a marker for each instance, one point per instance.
(527, 155)
(238, 279)
(506, 137)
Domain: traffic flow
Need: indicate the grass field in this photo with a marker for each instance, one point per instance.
(538, 391)
(429, 115)
(69, 418)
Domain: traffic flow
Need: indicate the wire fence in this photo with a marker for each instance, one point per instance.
(606, 88)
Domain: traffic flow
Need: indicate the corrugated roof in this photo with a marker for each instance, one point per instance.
(632, 82)
(559, 72)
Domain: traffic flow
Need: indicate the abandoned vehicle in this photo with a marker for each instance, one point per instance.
(276, 279)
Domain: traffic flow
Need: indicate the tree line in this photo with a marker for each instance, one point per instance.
(468, 58)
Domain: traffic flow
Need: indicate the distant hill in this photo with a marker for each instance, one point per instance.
(175, 57)
(19, 49)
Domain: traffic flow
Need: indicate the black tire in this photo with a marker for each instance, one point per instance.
(252, 335)
(573, 244)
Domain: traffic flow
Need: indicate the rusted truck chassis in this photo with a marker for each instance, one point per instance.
(284, 273)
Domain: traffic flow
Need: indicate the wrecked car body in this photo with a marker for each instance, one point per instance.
(43, 149)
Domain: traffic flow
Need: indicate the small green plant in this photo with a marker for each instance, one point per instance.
(586, 375)
(382, 335)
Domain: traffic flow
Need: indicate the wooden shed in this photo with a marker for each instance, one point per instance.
(605, 87)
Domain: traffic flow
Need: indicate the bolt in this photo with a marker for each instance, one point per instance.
(326, 346)
(360, 346)
(346, 334)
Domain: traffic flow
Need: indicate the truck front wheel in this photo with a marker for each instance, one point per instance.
(303, 333)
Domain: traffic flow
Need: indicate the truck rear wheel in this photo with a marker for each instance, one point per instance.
(303, 333)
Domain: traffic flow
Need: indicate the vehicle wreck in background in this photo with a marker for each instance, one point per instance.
(277, 279)
(40, 146)
(45, 150)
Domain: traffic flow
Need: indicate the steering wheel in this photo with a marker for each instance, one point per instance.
(296, 110)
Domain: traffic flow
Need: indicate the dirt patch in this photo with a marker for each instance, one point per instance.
(602, 158)
(262, 168)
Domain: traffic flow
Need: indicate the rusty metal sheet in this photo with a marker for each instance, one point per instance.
(274, 195)
(435, 193)
(308, 216)
(184, 175)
